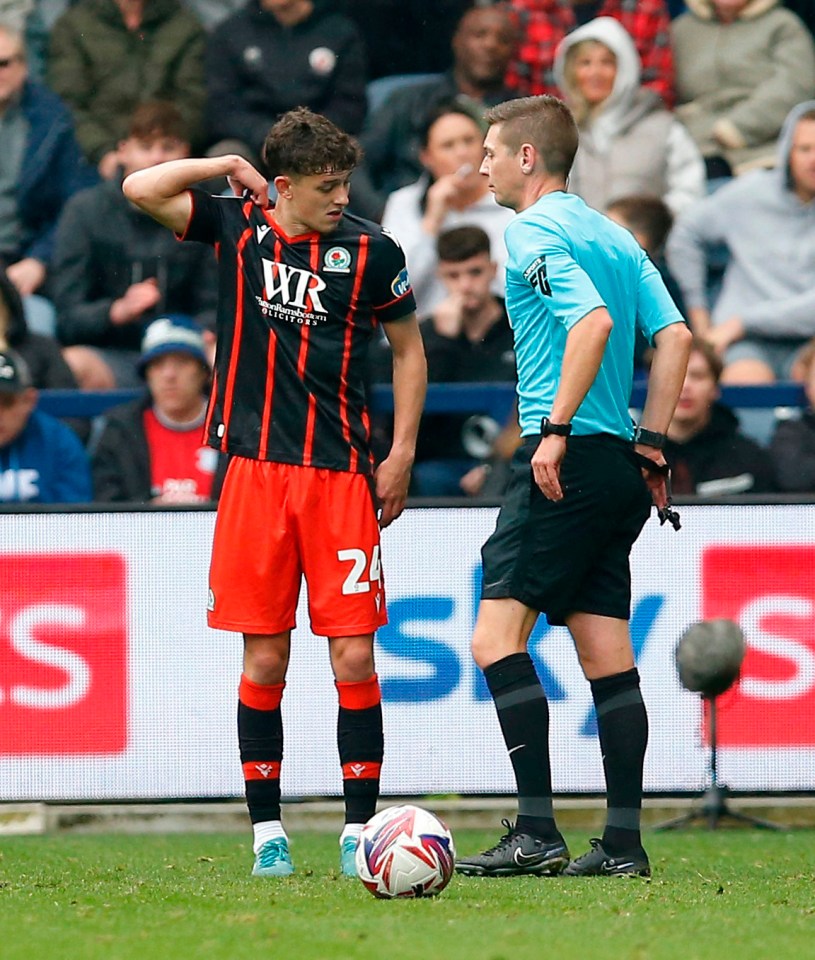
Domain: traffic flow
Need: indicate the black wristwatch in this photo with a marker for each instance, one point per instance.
(558, 429)
(649, 438)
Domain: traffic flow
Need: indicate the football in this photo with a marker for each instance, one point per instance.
(405, 851)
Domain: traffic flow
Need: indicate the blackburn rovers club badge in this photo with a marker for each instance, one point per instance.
(337, 260)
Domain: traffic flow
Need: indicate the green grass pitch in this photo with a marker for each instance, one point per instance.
(724, 895)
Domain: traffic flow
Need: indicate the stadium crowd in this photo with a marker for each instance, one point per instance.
(697, 125)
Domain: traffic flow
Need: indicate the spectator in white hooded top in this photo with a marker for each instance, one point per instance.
(629, 143)
(766, 219)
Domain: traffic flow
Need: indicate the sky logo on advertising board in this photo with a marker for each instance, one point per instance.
(401, 638)
(770, 593)
(63, 654)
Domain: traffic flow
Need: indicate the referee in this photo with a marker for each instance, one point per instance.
(577, 289)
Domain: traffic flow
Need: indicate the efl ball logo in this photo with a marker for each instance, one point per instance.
(63, 654)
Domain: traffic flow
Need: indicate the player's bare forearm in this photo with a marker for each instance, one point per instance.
(409, 388)
(161, 190)
(409, 385)
(392, 480)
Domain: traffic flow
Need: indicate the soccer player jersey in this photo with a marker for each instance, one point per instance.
(565, 260)
(295, 316)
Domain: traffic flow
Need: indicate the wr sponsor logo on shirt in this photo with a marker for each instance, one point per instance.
(292, 294)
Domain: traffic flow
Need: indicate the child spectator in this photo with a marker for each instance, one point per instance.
(650, 220)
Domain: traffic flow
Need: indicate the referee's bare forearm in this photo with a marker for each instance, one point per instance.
(672, 349)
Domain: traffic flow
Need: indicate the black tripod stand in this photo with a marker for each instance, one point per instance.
(713, 802)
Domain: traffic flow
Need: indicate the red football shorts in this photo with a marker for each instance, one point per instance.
(277, 523)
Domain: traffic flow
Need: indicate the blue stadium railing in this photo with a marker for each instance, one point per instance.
(492, 398)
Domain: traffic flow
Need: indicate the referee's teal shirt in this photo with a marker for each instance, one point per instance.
(565, 260)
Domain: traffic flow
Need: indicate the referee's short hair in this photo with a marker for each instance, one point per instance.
(545, 122)
(461, 243)
(303, 143)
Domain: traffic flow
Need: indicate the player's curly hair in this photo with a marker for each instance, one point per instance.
(303, 143)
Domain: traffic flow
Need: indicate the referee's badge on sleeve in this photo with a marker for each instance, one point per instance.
(535, 274)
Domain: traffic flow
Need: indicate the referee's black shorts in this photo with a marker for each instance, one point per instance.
(569, 556)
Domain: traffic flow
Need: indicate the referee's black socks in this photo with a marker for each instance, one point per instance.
(623, 728)
(523, 713)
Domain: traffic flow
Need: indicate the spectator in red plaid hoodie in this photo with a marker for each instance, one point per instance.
(544, 23)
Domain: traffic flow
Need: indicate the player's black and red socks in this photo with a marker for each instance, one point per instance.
(523, 713)
(361, 746)
(260, 737)
(622, 724)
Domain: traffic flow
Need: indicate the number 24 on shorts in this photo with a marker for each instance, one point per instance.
(354, 582)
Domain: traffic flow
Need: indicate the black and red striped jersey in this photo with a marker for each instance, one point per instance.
(295, 317)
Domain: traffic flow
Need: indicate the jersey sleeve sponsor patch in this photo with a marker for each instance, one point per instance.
(535, 275)
(401, 283)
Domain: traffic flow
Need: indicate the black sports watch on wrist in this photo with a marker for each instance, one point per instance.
(558, 429)
(649, 438)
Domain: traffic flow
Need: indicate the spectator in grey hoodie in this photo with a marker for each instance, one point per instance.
(766, 219)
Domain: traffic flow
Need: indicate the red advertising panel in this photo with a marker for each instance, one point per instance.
(63, 654)
(770, 592)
